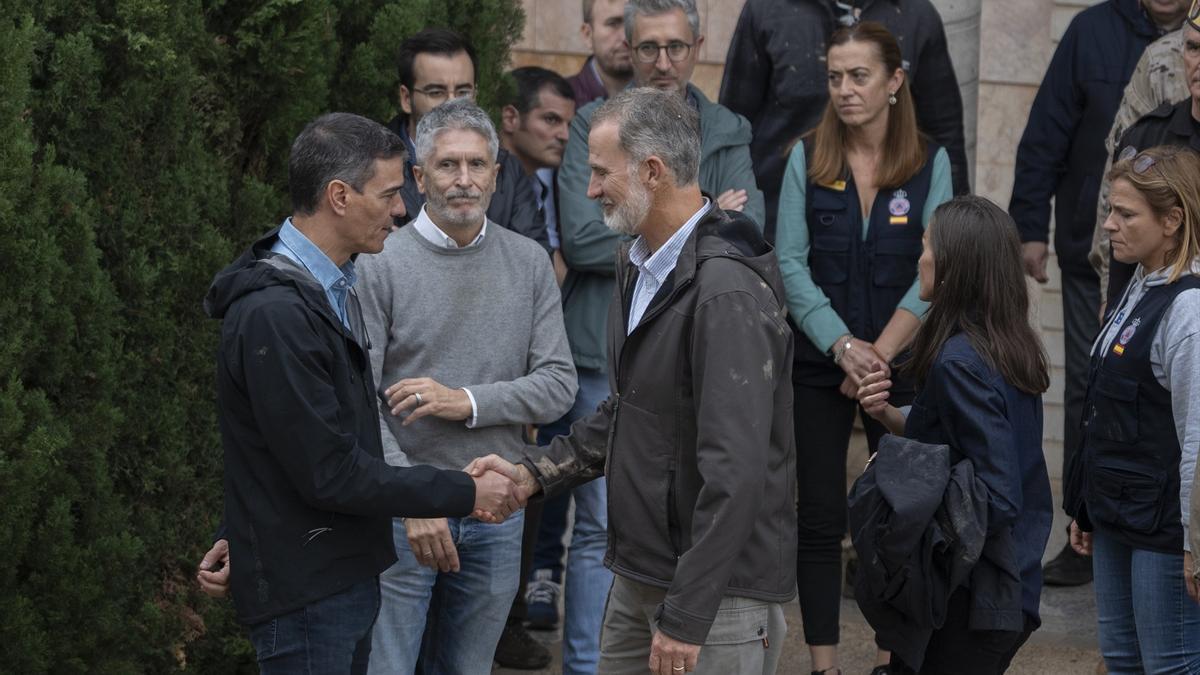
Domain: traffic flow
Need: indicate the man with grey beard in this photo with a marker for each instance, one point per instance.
(696, 440)
(469, 350)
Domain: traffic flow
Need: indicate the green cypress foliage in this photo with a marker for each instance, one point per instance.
(142, 144)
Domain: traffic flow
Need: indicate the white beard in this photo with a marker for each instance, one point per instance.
(628, 216)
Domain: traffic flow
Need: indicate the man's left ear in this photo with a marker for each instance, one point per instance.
(654, 171)
(510, 119)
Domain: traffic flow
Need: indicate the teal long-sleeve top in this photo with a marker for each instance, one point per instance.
(809, 306)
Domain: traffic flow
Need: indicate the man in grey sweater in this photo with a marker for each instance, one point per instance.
(469, 348)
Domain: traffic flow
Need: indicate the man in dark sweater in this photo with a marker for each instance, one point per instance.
(308, 497)
(610, 68)
(775, 77)
(437, 65)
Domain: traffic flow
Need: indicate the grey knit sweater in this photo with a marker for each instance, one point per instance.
(486, 317)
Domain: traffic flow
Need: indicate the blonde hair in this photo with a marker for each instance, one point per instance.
(1172, 180)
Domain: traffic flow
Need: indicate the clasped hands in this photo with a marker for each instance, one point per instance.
(860, 359)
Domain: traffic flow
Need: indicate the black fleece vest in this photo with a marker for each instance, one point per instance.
(864, 279)
(1131, 449)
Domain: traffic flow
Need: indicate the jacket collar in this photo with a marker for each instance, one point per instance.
(1183, 125)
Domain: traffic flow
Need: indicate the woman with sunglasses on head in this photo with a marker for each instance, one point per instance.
(855, 198)
(1128, 488)
(980, 374)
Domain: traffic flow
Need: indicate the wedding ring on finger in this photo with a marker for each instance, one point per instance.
(420, 401)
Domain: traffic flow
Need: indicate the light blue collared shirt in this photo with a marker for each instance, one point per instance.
(654, 269)
(337, 281)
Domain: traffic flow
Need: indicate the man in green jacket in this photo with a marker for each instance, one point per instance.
(666, 44)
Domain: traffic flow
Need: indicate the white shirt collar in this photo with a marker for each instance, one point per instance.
(434, 234)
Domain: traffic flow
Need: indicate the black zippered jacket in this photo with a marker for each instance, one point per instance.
(308, 497)
(697, 440)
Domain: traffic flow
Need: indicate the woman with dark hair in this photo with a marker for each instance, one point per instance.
(980, 373)
(1130, 486)
(856, 195)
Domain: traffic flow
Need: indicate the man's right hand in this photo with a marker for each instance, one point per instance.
(496, 495)
(526, 484)
(430, 542)
(1080, 541)
(213, 572)
(1034, 255)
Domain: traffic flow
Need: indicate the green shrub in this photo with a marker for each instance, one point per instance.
(142, 144)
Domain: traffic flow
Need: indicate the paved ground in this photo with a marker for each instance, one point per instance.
(1064, 645)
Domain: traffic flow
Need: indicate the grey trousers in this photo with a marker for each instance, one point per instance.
(745, 639)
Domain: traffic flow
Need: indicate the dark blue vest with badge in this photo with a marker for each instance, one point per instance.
(1126, 479)
(864, 278)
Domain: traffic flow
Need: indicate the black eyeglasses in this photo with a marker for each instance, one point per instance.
(647, 52)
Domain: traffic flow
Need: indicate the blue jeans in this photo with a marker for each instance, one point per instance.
(451, 621)
(1147, 622)
(587, 579)
(331, 635)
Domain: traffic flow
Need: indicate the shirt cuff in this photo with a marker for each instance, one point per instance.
(474, 410)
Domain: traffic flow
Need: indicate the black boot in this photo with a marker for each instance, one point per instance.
(518, 649)
(1068, 568)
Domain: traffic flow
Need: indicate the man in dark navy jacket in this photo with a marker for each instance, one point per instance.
(308, 497)
(1061, 156)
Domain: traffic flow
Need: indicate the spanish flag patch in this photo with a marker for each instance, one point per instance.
(837, 185)
(898, 220)
(1118, 349)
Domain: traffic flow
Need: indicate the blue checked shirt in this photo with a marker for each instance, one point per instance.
(653, 269)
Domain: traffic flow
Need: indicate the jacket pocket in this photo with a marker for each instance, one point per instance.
(896, 262)
(673, 516)
(829, 258)
(739, 621)
(1114, 413)
(1128, 500)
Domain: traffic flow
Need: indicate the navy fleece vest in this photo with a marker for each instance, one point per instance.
(864, 278)
(1131, 450)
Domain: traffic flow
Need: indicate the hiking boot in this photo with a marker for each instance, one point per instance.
(1068, 569)
(518, 649)
(541, 600)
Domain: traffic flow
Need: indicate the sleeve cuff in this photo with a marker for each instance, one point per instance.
(474, 409)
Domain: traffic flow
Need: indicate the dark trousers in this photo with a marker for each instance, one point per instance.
(955, 649)
(529, 538)
(331, 635)
(1081, 323)
(824, 419)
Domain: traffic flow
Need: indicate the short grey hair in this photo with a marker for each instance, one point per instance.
(656, 7)
(659, 123)
(459, 113)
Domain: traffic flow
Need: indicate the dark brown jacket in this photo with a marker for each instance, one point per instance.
(697, 441)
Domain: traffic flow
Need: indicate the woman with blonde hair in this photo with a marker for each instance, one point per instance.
(1129, 486)
(856, 195)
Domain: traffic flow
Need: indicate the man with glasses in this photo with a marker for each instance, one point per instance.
(435, 66)
(666, 34)
(775, 76)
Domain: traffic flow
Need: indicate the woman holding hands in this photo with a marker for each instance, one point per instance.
(855, 199)
(980, 373)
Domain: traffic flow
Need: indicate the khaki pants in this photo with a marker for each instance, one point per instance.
(745, 639)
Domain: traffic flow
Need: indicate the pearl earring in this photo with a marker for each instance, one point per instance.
(892, 99)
